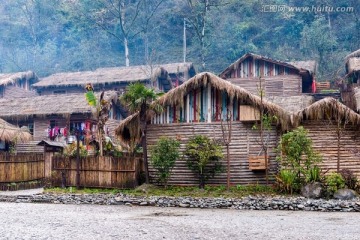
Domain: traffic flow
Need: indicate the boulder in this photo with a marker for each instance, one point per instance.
(312, 190)
(345, 194)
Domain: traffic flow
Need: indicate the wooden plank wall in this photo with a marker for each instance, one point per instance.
(105, 172)
(21, 167)
(245, 142)
(281, 85)
(325, 140)
(41, 126)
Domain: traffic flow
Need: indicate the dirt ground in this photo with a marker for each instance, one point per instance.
(52, 221)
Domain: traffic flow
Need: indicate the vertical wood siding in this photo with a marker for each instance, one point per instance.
(245, 142)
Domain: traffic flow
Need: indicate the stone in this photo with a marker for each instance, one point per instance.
(184, 205)
(143, 203)
(345, 194)
(312, 190)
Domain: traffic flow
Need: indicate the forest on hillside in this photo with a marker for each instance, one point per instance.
(49, 36)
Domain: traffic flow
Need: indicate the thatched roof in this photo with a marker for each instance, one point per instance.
(292, 104)
(62, 104)
(9, 133)
(353, 54)
(326, 109)
(353, 65)
(176, 96)
(308, 66)
(104, 76)
(10, 78)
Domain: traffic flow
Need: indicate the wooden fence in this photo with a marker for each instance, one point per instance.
(104, 172)
(21, 167)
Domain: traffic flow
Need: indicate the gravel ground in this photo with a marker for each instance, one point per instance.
(59, 221)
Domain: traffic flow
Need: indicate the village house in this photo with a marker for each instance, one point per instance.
(161, 77)
(56, 117)
(350, 87)
(204, 105)
(334, 131)
(15, 85)
(278, 78)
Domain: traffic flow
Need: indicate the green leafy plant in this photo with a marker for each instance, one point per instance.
(204, 157)
(287, 181)
(163, 157)
(334, 181)
(350, 178)
(70, 150)
(313, 174)
(296, 154)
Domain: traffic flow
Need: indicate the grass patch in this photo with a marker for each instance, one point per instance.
(176, 191)
(73, 190)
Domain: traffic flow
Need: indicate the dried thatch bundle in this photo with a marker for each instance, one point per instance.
(11, 78)
(63, 104)
(327, 109)
(9, 133)
(353, 65)
(176, 97)
(353, 54)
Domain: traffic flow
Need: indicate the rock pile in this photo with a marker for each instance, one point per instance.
(248, 203)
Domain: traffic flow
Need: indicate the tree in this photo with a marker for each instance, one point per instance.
(138, 98)
(102, 113)
(203, 157)
(163, 157)
(125, 19)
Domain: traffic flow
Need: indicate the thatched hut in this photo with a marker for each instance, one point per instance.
(352, 66)
(278, 78)
(206, 104)
(15, 85)
(161, 77)
(10, 133)
(55, 117)
(334, 130)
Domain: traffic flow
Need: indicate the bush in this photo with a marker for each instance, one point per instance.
(204, 157)
(334, 181)
(313, 174)
(71, 149)
(296, 154)
(163, 157)
(349, 178)
(287, 181)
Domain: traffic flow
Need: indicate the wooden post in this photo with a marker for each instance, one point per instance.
(187, 108)
(209, 103)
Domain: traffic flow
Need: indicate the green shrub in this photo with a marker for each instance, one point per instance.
(287, 181)
(297, 156)
(204, 157)
(163, 157)
(312, 174)
(349, 178)
(334, 181)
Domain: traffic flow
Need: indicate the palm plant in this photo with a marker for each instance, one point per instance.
(139, 98)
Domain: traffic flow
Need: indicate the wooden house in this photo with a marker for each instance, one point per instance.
(161, 77)
(204, 105)
(278, 78)
(15, 85)
(55, 117)
(334, 131)
(353, 67)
